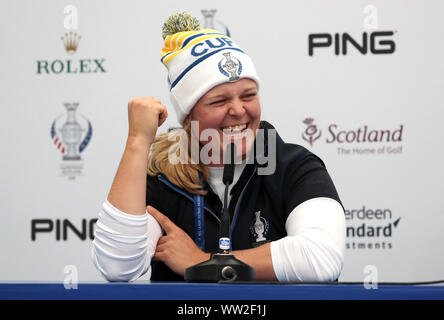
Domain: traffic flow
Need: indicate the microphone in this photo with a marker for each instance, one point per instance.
(222, 266)
(224, 227)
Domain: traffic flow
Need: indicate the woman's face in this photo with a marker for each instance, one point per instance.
(233, 110)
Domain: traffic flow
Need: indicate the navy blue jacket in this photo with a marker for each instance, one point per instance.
(299, 176)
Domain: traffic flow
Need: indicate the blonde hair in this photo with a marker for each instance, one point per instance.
(183, 175)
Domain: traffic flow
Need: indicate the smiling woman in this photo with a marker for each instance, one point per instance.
(230, 112)
(287, 223)
(233, 109)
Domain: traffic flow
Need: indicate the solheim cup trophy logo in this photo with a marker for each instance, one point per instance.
(71, 137)
(311, 133)
(209, 21)
(259, 228)
(71, 133)
(209, 18)
(230, 68)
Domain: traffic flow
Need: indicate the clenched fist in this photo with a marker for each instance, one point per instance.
(145, 115)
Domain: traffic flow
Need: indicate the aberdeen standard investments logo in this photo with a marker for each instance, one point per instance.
(71, 135)
(69, 64)
(352, 140)
(371, 228)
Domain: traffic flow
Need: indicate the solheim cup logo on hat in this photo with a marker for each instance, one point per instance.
(71, 135)
(230, 68)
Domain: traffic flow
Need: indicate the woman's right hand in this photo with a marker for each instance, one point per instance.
(145, 115)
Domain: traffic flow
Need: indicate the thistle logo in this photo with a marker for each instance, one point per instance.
(71, 136)
(311, 133)
(230, 68)
(361, 140)
(209, 22)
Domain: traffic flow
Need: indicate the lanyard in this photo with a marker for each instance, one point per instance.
(199, 226)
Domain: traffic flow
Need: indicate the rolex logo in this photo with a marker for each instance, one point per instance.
(63, 65)
(71, 42)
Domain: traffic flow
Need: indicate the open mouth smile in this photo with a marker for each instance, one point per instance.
(236, 129)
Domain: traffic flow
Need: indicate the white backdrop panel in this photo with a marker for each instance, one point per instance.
(353, 91)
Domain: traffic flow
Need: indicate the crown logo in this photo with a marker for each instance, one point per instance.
(71, 42)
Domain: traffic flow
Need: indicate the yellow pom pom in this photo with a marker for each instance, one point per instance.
(179, 22)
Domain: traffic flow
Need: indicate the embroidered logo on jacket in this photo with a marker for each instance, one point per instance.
(259, 227)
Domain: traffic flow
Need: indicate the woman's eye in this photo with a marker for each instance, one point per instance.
(251, 95)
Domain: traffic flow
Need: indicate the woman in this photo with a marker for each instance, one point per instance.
(287, 223)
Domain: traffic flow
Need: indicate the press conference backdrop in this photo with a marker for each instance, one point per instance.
(358, 83)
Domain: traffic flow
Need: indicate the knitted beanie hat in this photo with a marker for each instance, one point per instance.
(198, 60)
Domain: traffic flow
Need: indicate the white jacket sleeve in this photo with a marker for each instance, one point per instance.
(313, 249)
(124, 244)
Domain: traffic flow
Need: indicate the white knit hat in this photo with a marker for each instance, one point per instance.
(198, 60)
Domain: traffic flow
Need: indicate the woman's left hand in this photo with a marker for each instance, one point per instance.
(176, 249)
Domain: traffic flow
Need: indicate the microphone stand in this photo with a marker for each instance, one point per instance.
(222, 266)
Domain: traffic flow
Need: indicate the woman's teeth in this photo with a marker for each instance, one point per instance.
(234, 129)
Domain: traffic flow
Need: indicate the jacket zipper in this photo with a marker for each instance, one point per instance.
(233, 222)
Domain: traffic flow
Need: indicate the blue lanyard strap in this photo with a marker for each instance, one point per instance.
(199, 225)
